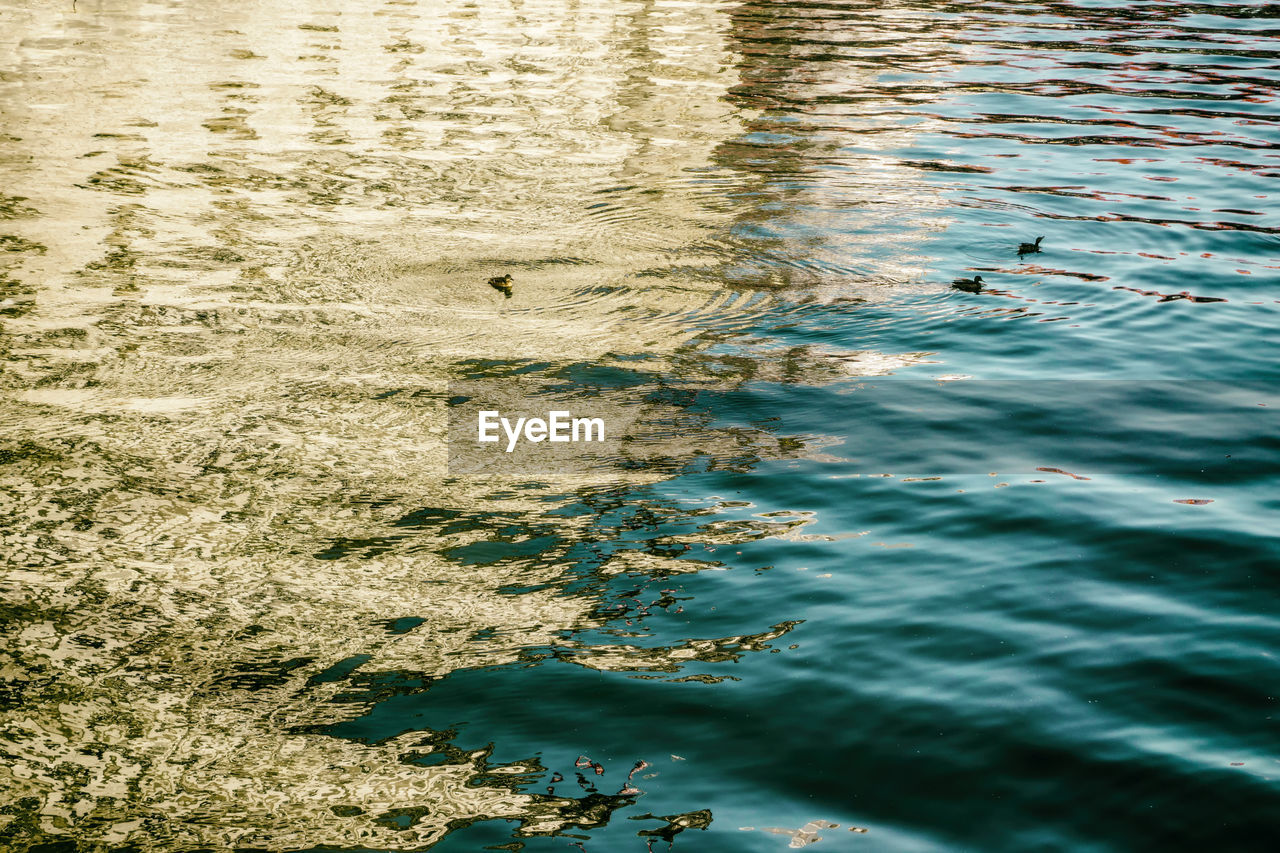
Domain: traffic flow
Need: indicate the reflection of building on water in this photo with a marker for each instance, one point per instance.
(257, 238)
(825, 208)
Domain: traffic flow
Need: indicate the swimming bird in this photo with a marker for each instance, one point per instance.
(968, 285)
(503, 283)
(1030, 248)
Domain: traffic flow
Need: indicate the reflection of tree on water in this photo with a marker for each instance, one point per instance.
(219, 705)
(216, 690)
(593, 575)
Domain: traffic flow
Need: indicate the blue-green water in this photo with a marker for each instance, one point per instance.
(967, 571)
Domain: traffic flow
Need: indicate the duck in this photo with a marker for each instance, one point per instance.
(968, 285)
(1030, 248)
(502, 283)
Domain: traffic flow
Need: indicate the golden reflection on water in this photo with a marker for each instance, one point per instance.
(248, 246)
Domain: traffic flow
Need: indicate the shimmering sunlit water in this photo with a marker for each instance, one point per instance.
(886, 565)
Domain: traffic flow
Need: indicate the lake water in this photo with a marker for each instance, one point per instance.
(882, 564)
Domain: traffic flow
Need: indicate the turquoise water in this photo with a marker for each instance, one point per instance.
(967, 571)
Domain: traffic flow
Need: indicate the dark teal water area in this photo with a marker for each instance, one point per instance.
(1075, 652)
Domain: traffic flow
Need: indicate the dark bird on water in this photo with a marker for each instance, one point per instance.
(968, 285)
(1030, 248)
(503, 283)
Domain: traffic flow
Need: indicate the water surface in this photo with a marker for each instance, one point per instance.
(986, 571)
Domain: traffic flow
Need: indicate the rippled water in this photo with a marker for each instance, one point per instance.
(249, 605)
